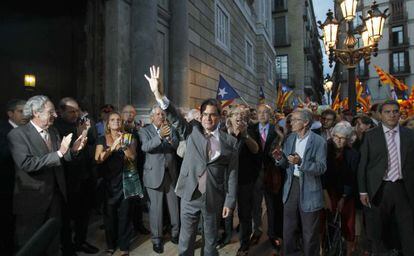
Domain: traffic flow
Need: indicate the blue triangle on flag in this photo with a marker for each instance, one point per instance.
(261, 93)
(285, 88)
(225, 91)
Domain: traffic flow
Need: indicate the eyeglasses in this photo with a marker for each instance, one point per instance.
(339, 138)
(295, 120)
(209, 114)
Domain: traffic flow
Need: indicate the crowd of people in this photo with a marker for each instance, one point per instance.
(194, 170)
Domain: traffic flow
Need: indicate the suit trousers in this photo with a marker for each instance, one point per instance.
(190, 216)
(245, 207)
(257, 204)
(27, 225)
(77, 210)
(299, 226)
(391, 206)
(156, 197)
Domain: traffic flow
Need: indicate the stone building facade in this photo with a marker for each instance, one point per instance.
(194, 42)
(299, 53)
(98, 51)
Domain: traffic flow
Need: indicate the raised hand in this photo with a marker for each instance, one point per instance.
(153, 81)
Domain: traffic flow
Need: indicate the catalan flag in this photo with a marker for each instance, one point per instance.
(337, 102)
(226, 93)
(362, 98)
(283, 95)
(261, 96)
(344, 103)
(387, 78)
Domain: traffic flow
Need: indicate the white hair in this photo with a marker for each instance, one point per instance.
(34, 104)
(343, 128)
(192, 114)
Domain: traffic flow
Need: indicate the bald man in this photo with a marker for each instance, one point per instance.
(79, 179)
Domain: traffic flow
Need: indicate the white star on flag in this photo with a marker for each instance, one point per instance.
(222, 92)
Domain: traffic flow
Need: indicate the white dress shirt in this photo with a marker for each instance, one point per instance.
(300, 146)
(43, 133)
(13, 123)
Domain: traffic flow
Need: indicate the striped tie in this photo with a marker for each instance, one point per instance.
(393, 173)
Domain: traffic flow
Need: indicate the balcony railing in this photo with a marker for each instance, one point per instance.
(397, 11)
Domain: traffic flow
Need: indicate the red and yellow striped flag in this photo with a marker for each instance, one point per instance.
(344, 103)
(387, 78)
(365, 102)
(337, 103)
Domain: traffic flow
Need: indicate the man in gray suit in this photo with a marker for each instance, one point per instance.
(304, 158)
(208, 179)
(159, 142)
(40, 186)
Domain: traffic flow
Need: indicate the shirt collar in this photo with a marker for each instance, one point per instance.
(266, 127)
(156, 128)
(396, 129)
(215, 133)
(13, 123)
(38, 129)
(304, 138)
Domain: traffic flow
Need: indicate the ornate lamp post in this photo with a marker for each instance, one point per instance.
(327, 85)
(350, 56)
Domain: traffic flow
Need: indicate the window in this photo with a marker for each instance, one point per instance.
(249, 54)
(357, 20)
(280, 5)
(269, 70)
(362, 69)
(397, 34)
(222, 26)
(398, 62)
(280, 31)
(282, 68)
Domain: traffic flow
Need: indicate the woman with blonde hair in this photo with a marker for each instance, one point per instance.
(115, 153)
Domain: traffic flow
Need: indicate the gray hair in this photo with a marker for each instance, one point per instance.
(192, 114)
(152, 111)
(34, 104)
(343, 128)
(306, 115)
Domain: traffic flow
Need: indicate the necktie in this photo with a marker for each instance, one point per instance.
(393, 162)
(46, 138)
(263, 137)
(203, 178)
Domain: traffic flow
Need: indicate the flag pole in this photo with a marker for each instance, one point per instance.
(244, 101)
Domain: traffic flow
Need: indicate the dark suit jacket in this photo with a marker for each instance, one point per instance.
(273, 176)
(6, 161)
(159, 154)
(374, 161)
(221, 184)
(38, 173)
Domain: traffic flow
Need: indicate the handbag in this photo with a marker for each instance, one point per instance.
(131, 181)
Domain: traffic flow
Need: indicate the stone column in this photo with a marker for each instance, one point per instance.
(179, 54)
(117, 52)
(143, 51)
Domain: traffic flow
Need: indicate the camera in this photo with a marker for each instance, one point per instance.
(83, 118)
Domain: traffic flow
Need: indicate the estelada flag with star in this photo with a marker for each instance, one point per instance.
(261, 96)
(226, 93)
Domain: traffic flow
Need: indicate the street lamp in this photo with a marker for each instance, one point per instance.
(327, 85)
(350, 56)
